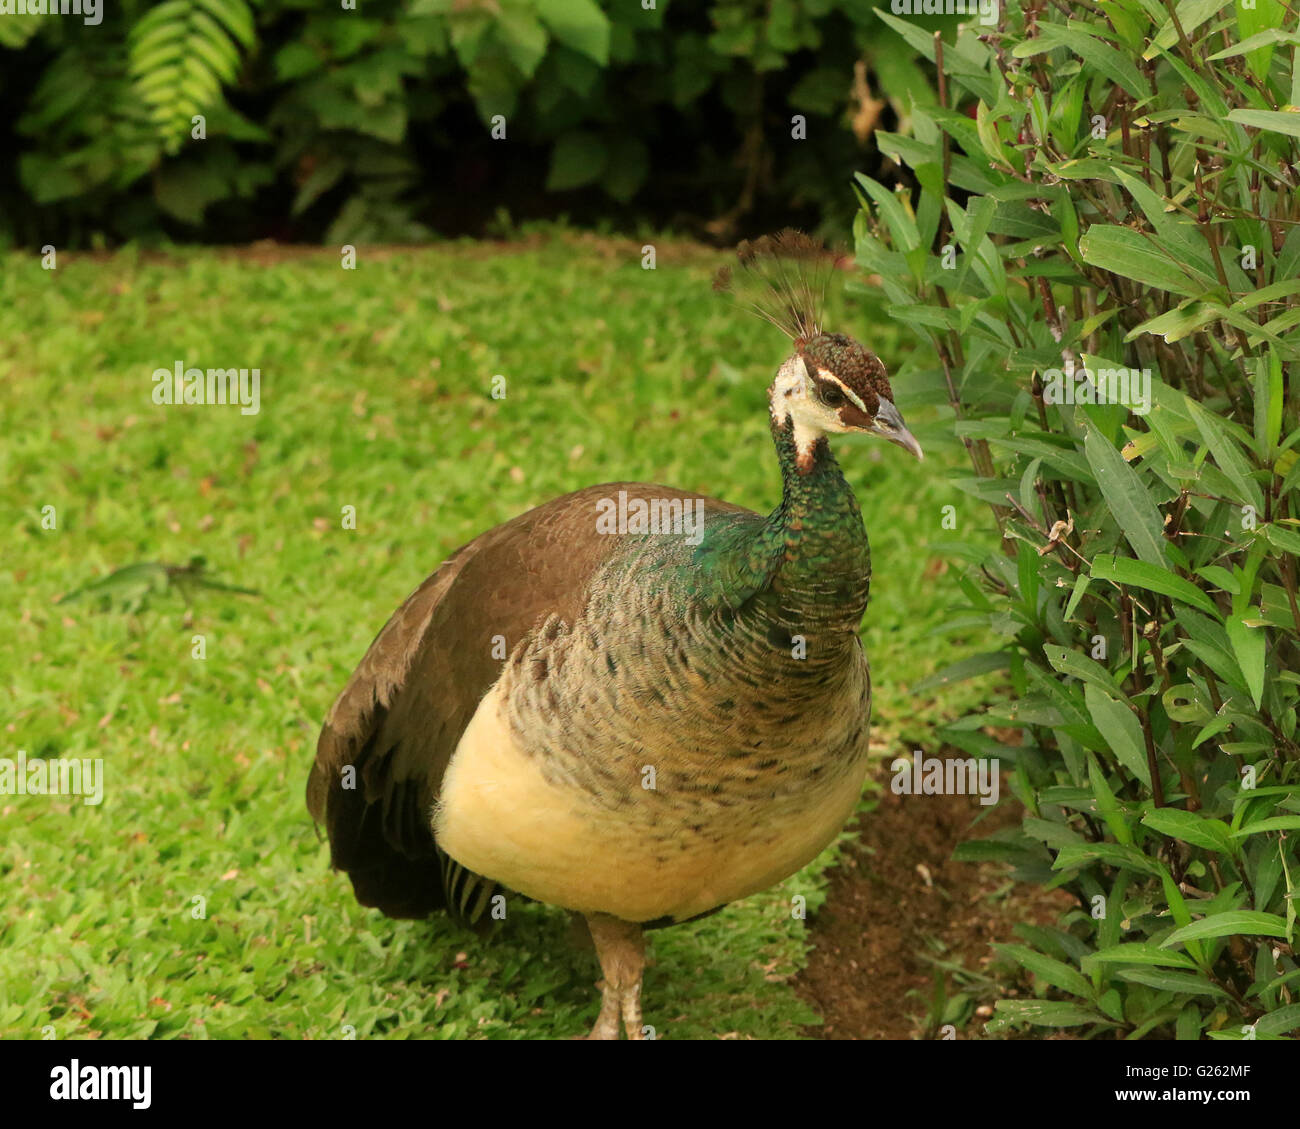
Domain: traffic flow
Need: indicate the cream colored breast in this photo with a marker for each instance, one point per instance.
(503, 816)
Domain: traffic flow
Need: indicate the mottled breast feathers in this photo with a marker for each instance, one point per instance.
(398, 720)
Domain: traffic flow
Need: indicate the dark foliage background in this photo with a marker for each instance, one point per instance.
(375, 123)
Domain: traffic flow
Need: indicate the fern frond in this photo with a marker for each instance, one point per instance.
(181, 55)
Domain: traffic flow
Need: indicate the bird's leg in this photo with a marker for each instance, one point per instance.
(606, 1025)
(632, 1008)
(620, 946)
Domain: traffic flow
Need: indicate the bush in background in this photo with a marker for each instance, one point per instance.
(1118, 191)
(375, 123)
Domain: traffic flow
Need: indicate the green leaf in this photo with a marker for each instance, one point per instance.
(1069, 661)
(579, 24)
(15, 33)
(1054, 972)
(1191, 14)
(323, 176)
(235, 16)
(1165, 981)
(185, 189)
(1180, 239)
(1107, 805)
(1180, 913)
(1140, 952)
(820, 91)
(1269, 38)
(1130, 504)
(1190, 1024)
(1070, 463)
(1081, 583)
(1271, 823)
(1291, 896)
(1140, 574)
(1275, 121)
(1280, 1022)
(1188, 827)
(1112, 854)
(1248, 645)
(577, 159)
(524, 38)
(971, 667)
(1209, 642)
(1268, 402)
(1230, 923)
(902, 228)
(1131, 254)
(1221, 578)
(626, 167)
(1281, 538)
(1099, 57)
(1117, 724)
(1183, 320)
(1227, 455)
(1048, 1013)
(993, 850)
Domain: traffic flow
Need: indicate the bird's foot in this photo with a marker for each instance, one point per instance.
(618, 1004)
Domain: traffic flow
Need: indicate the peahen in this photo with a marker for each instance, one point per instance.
(638, 719)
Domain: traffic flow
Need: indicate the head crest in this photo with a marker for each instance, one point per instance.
(782, 278)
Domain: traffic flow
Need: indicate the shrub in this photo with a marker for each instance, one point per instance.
(374, 123)
(1116, 192)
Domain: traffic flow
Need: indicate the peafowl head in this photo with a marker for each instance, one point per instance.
(831, 384)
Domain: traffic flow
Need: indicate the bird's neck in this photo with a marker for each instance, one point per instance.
(807, 568)
(816, 536)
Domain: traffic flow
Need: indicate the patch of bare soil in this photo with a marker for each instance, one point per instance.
(898, 898)
(269, 252)
(678, 252)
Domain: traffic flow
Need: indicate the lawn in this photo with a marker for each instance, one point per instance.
(196, 900)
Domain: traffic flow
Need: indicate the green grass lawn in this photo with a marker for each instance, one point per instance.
(196, 900)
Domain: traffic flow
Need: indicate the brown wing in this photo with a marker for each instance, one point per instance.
(402, 713)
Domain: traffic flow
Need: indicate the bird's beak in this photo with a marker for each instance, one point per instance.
(907, 441)
(890, 425)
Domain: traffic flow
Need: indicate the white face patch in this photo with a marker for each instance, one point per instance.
(794, 397)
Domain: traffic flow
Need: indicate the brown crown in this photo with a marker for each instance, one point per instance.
(854, 364)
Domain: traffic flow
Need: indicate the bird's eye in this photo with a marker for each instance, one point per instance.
(832, 397)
